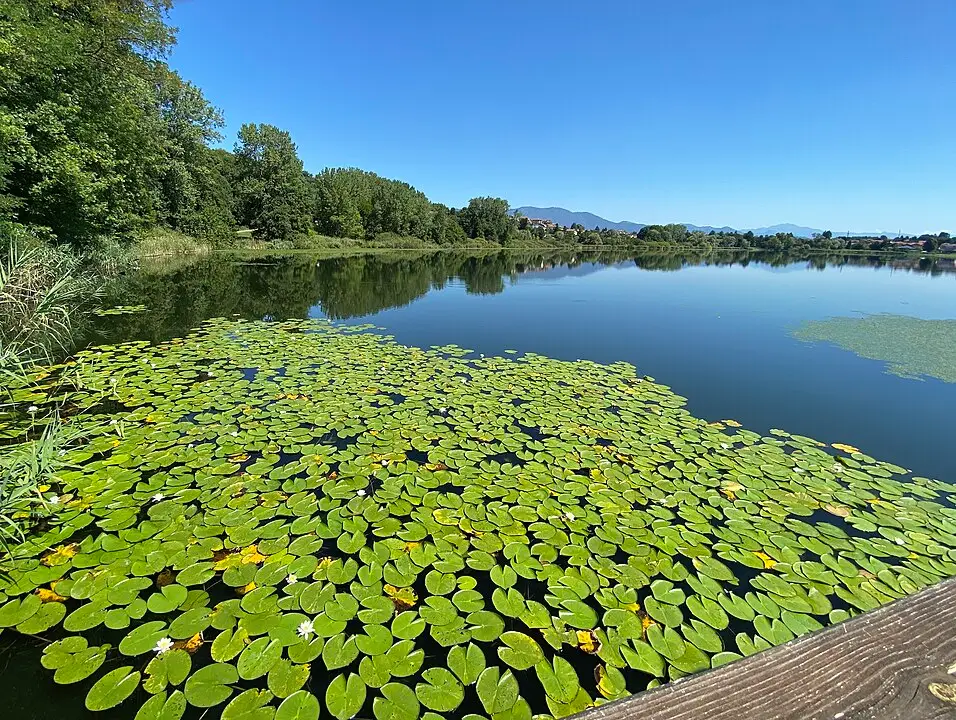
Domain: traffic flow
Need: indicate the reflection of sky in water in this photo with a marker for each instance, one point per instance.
(720, 336)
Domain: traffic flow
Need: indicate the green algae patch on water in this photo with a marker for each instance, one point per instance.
(280, 520)
(911, 347)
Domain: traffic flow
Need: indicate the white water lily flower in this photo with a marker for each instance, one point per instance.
(33, 409)
(235, 433)
(725, 446)
(305, 628)
(291, 579)
(384, 463)
(361, 493)
(163, 645)
(157, 497)
(900, 541)
(569, 515)
(55, 500)
(837, 468)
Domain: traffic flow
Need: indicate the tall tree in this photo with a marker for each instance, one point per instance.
(487, 217)
(97, 135)
(270, 189)
(77, 80)
(193, 193)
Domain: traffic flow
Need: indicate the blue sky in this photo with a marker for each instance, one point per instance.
(836, 114)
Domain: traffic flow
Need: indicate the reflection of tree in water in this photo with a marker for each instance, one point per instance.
(180, 298)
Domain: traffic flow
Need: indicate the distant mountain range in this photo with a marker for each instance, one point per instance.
(567, 218)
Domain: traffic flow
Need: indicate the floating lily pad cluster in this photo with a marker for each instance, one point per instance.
(293, 519)
(911, 347)
(120, 310)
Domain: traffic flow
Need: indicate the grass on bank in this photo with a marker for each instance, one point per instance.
(46, 294)
(165, 243)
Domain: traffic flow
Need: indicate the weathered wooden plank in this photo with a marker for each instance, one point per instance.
(877, 665)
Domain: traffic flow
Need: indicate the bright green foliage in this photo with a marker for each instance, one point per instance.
(487, 218)
(271, 195)
(97, 134)
(357, 204)
(350, 502)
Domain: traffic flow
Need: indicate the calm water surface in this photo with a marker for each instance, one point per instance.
(716, 330)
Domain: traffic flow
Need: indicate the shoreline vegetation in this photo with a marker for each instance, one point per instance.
(168, 243)
(108, 152)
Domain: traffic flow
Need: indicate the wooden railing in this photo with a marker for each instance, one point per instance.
(888, 664)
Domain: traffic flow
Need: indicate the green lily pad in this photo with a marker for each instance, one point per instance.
(498, 692)
(211, 685)
(440, 690)
(398, 702)
(467, 662)
(345, 696)
(250, 705)
(258, 658)
(285, 678)
(301, 705)
(112, 689)
(558, 679)
(169, 668)
(521, 653)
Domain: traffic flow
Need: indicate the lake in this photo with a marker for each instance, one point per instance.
(716, 330)
(489, 513)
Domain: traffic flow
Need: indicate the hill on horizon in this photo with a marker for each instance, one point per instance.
(566, 218)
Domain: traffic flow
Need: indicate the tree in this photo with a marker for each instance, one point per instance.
(195, 196)
(78, 117)
(270, 191)
(827, 235)
(487, 217)
(97, 135)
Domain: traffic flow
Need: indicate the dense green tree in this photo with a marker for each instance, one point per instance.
(488, 218)
(663, 234)
(358, 204)
(77, 113)
(194, 196)
(97, 135)
(271, 195)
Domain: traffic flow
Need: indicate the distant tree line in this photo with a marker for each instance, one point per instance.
(101, 139)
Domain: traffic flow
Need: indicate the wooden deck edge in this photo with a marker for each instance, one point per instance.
(876, 665)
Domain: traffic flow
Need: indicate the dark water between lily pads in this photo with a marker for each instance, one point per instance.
(717, 329)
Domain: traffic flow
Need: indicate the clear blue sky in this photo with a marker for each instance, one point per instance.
(836, 114)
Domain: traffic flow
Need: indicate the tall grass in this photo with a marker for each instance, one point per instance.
(28, 471)
(43, 297)
(162, 242)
